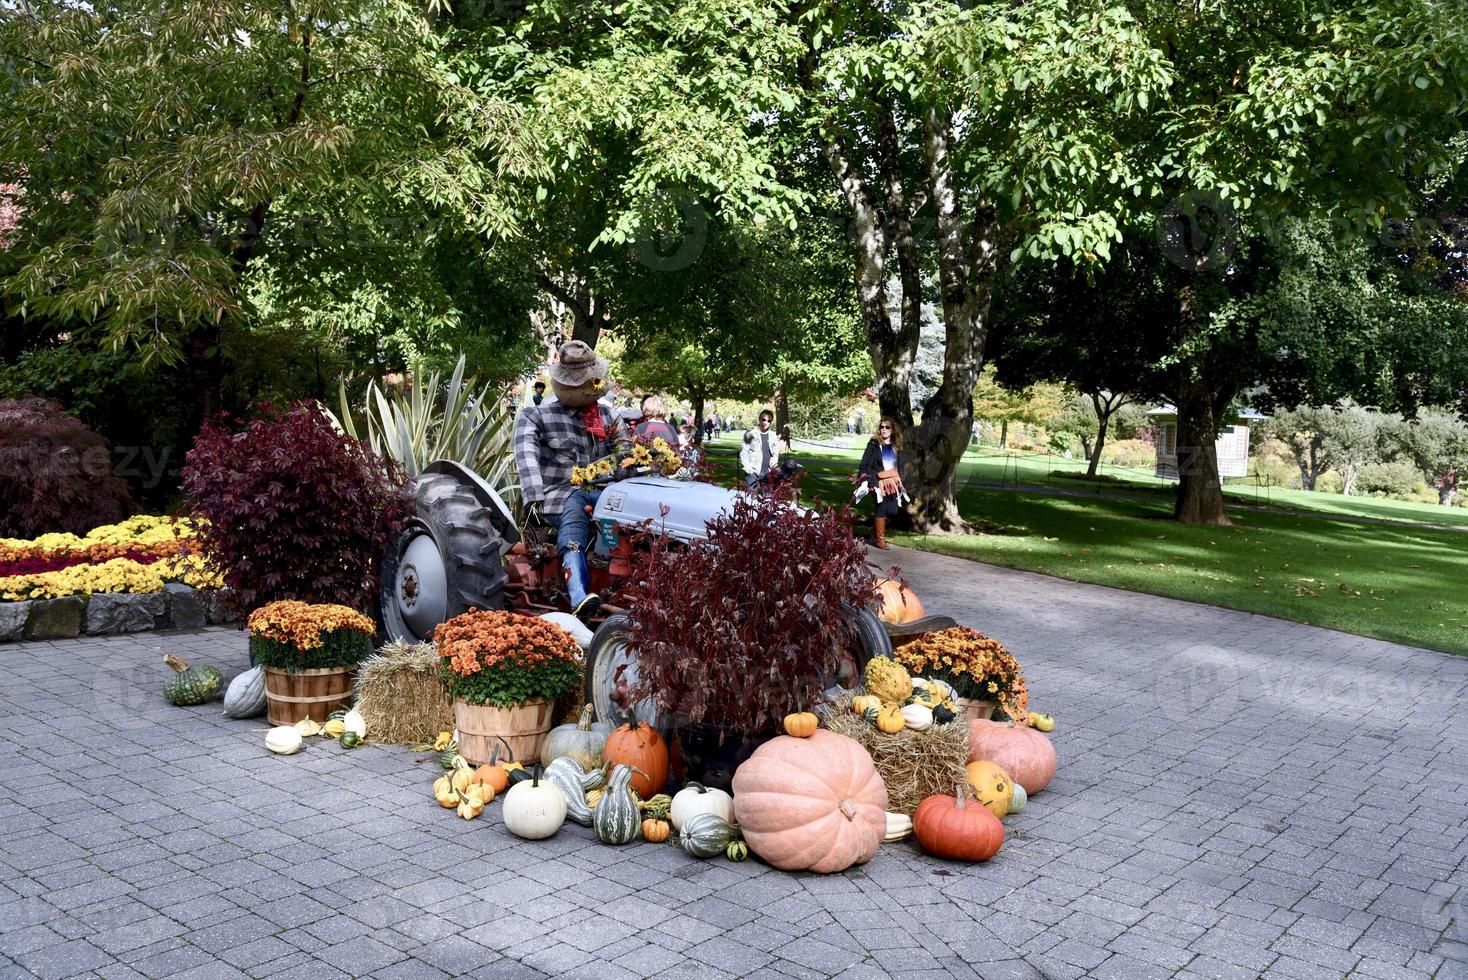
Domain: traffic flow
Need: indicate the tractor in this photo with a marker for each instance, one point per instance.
(462, 549)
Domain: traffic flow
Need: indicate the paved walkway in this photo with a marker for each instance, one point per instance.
(1236, 795)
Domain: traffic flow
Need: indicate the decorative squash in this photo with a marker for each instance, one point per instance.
(593, 797)
(617, 819)
(462, 777)
(811, 804)
(1043, 722)
(896, 603)
(534, 809)
(1017, 804)
(658, 806)
(308, 727)
(655, 831)
(802, 724)
(245, 696)
(494, 774)
(444, 792)
(899, 826)
(706, 835)
(918, 717)
(565, 775)
(890, 720)
(949, 827)
(334, 728)
(991, 785)
(888, 680)
(584, 740)
(1023, 752)
(190, 685)
(943, 714)
(349, 740)
(862, 702)
(283, 740)
(695, 798)
(640, 746)
(870, 715)
(737, 850)
(354, 722)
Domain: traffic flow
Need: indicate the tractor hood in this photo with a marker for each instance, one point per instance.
(690, 505)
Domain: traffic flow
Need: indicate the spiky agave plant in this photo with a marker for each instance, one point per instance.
(473, 427)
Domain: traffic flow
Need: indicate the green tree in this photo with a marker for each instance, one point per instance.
(166, 148)
(1438, 443)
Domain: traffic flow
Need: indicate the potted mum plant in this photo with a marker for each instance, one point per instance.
(310, 654)
(734, 632)
(504, 673)
(980, 670)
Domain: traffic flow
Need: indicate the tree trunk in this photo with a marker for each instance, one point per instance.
(205, 369)
(1348, 480)
(1199, 489)
(782, 409)
(1003, 433)
(1095, 453)
(698, 420)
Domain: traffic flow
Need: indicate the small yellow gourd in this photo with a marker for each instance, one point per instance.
(888, 679)
(862, 702)
(890, 720)
(444, 792)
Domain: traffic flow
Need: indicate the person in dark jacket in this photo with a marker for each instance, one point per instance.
(881, 468)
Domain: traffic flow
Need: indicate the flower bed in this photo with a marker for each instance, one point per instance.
(141, 573)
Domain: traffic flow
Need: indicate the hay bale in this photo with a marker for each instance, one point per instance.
(914, 765)
(402, 695)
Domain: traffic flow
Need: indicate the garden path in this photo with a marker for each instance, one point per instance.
(1237, 795)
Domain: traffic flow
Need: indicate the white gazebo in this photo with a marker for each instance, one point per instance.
(1232, 445)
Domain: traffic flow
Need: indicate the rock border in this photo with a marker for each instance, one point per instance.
(178, 606)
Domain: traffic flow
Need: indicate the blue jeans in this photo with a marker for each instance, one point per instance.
(574, 531)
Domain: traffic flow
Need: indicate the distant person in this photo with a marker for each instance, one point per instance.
(761, 451)
(881, 469)
(685, 437)
(655, 424)
(537, 393)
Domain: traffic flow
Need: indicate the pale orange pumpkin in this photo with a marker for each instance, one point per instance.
(897, 603)
(811, 804)
(1023, 752)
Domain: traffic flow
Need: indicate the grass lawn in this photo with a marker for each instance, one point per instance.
(1406, 584)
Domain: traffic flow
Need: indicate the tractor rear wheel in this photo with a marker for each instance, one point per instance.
(447, 560)
(609, 652)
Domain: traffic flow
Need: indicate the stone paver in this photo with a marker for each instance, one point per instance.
(1237, 796)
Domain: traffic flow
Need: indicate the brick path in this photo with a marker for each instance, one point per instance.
(1236, 795)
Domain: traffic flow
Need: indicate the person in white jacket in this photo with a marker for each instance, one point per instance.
(760, 454)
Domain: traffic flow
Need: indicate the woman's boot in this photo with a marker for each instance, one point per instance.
(882, 533)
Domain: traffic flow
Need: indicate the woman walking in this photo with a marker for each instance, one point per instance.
(881, 468)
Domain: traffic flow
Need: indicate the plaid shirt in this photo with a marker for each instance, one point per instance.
(549, 440)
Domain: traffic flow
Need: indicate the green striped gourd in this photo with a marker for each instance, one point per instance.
(190, 685)
(245, 696)
(617, 818)
(565, 775)
(705, 835)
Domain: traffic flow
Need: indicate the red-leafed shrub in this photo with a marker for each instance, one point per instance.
(738, 630)
(55, 473)
(291, 508)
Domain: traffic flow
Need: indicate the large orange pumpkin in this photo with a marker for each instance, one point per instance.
(1023, 752)
(640, 746)
(896, 603)
(811, 804)
(956, 827)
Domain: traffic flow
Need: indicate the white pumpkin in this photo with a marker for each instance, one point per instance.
(918, 716)
(355, 723)
(283, 740)
(1018, 801)
(534, 809)
(694, 799)
(899, 825)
